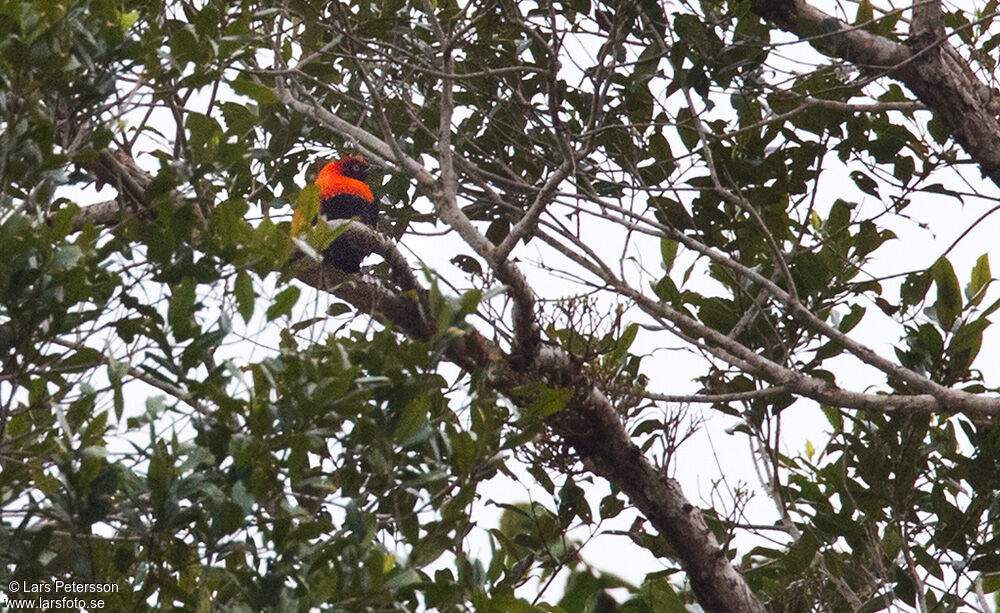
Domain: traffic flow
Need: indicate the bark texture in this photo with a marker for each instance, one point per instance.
(589, 424)
(927, 64)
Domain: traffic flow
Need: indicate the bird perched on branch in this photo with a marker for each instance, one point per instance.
(344, 194)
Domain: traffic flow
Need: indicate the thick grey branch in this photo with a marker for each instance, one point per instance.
(931, 69)
(593, 428)
(590, 423)
(927, 25)
(940, 399)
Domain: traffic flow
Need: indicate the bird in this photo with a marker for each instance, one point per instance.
(344, 194)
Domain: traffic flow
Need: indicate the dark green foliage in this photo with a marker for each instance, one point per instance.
(289, 459)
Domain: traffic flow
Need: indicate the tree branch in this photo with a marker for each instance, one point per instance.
(589, 423)
(941, 399)
(931, 68)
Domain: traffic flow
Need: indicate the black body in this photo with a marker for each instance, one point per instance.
(345, 252)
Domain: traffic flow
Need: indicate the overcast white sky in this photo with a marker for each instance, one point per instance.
(712, 454)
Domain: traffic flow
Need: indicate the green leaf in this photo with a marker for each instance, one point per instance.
(979, 281)
(67, 257)
(610, 506)
(127, 20)
(865, 13)
(573, 504)
(991, 582)
(811, 272)
(914, 288)
(718, 313)
(258, 92)
(949, 294)
(181, 309)
(624, 342)
(469, 302)
(865, 183)
(205, 136)
(414, 414)
(666, 290)
(668, 251)
(687, 128)
(402, 580)
(283, 303)
(227, 220)
(239, 118)
(851, 319)
(498, 230)
(966, 343)
(537, 401)
(468, 264)
(243, 290)
(989, 563)
(306, 209)
(693, 31)
(116, 372)
(660, 596)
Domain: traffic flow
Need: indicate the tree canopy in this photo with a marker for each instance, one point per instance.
(606, 226)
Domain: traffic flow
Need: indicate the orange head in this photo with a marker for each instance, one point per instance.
(345, 176)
